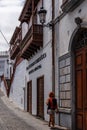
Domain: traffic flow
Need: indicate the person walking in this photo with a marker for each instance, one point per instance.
(52, 107)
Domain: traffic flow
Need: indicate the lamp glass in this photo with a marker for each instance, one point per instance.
(42, 15)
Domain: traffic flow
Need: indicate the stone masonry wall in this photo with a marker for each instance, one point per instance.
(64, 82)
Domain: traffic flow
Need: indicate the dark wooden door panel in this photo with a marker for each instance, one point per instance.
(79, 91)
(40, 97)
(85, 88)
(85, 121)
(81, 88)
(79, 121)
(29, 97)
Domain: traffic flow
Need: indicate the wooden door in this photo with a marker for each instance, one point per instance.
(40, 97)
(81, 88)
(29, 97)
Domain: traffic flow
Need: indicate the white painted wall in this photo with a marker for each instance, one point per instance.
(56, 2)
(18, 85)
(2, 87)
(24, 29)
(67, 26)
(46, 70)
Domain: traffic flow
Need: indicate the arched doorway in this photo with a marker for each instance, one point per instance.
(79, 49)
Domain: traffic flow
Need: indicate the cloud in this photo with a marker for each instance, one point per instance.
(5, 3)
(3, 45)
(9, 13)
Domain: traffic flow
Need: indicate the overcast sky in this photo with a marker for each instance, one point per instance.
(9, 13)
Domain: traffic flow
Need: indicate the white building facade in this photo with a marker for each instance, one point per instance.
(4, 70)
(54, 60)
(39, 69)
(72, 44)
(32, 80)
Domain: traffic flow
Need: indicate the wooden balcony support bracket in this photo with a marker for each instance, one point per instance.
(33, 48)
(37, 46)
(26, 55)
(31, 51)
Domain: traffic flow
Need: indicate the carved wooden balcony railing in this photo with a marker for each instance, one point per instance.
(70, 5)
(14, 51)
(15, 40)
(32, 41)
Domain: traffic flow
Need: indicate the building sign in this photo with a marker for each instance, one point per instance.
(35, 62)
(35, 69)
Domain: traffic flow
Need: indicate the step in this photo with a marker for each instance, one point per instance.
(59, 128)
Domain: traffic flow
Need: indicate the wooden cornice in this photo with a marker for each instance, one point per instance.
(25, 11)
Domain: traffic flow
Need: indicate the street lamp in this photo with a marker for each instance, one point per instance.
(42, 16)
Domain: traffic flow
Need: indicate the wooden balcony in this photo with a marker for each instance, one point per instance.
(70, 5)
(32, 41)
(14, 51)
(16, 38)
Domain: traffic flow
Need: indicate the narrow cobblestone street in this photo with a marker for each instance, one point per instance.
(13, 118)
(9, 120)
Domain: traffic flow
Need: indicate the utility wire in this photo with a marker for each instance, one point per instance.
(4, 37)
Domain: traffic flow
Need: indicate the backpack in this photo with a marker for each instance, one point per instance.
(52, 104)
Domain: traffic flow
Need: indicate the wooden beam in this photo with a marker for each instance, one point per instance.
(33, 47)
(30, 51)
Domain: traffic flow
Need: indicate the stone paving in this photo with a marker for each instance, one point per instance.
(13, 118)
(9, 120)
